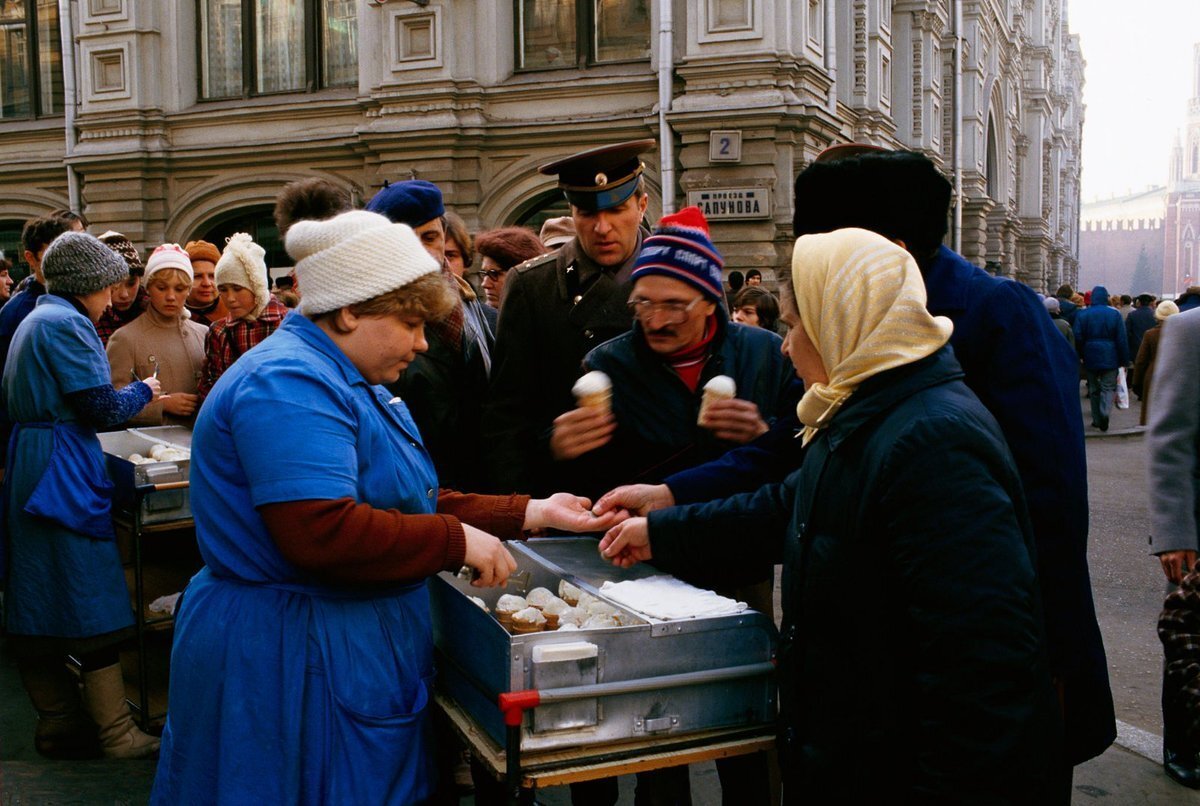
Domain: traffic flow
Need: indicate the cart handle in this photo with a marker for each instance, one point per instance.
(514, 703)
(166, 485)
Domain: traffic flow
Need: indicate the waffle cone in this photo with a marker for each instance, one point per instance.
(708, 397)
(596, 400)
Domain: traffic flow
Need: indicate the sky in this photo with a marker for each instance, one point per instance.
(1138, 81)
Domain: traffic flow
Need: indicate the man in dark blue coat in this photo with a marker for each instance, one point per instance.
(1018, 365)
(1102, 344)
(1140, 319)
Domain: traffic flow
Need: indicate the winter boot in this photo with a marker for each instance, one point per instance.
(63, 730)
(104, 696)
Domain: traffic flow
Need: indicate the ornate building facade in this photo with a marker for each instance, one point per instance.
(184, 119)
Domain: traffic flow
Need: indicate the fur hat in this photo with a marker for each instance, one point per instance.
(1052, 305)
(78, 263)
(242, 264)
(413, 202)
(681, 249)
(509, 246)
(202, 250)
(352, 258)
(1165, 308)
(168, 256)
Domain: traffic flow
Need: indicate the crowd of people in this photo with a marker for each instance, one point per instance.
(884, 442)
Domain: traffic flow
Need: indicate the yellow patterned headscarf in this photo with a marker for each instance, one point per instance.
(861, 300)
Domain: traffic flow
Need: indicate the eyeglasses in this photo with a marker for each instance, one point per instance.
(491, 274)
(673, 313)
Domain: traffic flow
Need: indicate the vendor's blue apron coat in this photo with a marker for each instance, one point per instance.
(64, 570)
(283, 690)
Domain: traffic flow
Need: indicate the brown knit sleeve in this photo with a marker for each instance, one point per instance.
(500, 515)
(342, 541)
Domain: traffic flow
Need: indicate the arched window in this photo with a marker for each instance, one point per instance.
(993, 162)
(10, 244)
(258, 222)
(550, 204)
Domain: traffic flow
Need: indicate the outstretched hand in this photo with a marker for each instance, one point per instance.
(640, 499)
(627, 543)
(569, 513)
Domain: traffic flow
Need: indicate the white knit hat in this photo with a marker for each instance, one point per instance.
(242, 264)
(167, 256)
(352, 258)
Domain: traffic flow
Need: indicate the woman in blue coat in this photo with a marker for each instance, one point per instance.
(303, 656)
(912, 661)
(66, 592)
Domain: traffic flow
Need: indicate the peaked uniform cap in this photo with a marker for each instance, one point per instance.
(600, 178)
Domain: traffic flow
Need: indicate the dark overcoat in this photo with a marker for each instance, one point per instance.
(912, 664)
(555, 309)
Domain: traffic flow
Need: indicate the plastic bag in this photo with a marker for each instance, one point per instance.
(1122, 390)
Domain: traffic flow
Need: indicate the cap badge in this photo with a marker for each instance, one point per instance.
(601, 179)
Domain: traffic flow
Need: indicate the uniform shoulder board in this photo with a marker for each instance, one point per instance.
(534, 262)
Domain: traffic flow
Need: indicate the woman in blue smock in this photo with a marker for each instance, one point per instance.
(302, 662)
(66, 592)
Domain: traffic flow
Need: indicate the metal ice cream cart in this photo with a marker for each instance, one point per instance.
(572, 705)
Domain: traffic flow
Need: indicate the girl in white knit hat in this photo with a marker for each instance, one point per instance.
(163, 342)
(312, 613)
(253, 313)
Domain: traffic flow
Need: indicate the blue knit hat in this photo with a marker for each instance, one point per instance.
(413, 202)
(681, 249)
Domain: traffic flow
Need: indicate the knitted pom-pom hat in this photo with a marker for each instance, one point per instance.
(681, 249)
(352, 258)
(242, 264)
(168, 256)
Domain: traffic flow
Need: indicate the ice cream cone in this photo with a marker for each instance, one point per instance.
(722, 387)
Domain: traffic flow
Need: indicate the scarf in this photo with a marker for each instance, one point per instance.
(861, 300)
(689, 362)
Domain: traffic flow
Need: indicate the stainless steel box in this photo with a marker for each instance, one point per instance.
(157, 506)
(479, 660)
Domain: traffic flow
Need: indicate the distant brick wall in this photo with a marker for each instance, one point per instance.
(1108, 257)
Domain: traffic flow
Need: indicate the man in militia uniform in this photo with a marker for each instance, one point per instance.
(559, 306)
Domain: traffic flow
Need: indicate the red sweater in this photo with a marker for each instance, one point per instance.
(342, 541)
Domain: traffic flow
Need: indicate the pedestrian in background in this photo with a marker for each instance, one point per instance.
(757, 307)
(1143, 365)
(6, 282)
(253, 313)
(1141, 319)
(1173, 443)
(163, 342)
(1053, 307)
(500, 250)
(129, 298)
(445, 387)
(204, 303)
(1104, 348)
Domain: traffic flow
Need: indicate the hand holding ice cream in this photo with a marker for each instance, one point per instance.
(726, 416)
(588, 426)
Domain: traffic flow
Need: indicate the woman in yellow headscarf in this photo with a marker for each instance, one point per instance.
(912, 660)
